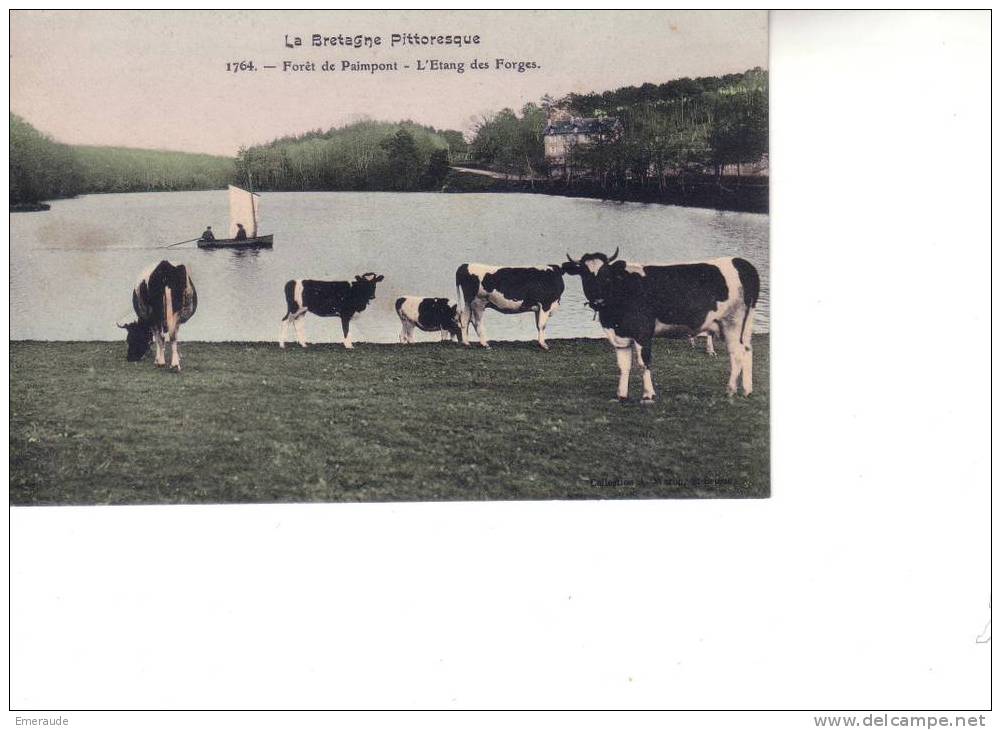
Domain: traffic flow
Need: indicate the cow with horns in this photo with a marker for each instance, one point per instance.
(342, 299)
(636, 302)
(509, 290)
(163, 300)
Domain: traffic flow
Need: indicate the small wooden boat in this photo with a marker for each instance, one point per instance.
(244, 205)
(255, 242)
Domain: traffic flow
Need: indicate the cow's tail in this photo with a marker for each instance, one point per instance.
(189, 297)
(170, 314)
(460, 273)
(289, 299)
(750, 282)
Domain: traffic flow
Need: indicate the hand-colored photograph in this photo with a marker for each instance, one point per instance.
(351, 256)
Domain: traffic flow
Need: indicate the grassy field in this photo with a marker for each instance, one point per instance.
(248, 422)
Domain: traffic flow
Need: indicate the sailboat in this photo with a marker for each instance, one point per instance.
(244, 208)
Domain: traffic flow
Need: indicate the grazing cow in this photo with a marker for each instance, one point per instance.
(636, 302)
(342, 299)
(163, 300)
(509, 290)
(429, 315)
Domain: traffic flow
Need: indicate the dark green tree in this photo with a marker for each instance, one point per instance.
(739, 130)
(437, 170)
(455, 139)
(511, 143)
(404, 161)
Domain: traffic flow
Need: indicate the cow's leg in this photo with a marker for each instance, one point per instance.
(282, 331)
(292, 317)
(175, 357)
(345, 326)
(710, 350)
(171, 316)
(481, 330)
(624, 356)
(747, 362)
(746, 367)
(541, 318)
(298, 322)
(465, 317)
(158, 340)
(731, 335)
(644, 358)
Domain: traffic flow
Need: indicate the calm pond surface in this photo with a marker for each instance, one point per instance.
(73, 267)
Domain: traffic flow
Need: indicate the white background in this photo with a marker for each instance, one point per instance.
(861, 584)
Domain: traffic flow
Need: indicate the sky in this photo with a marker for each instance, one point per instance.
(158, 79)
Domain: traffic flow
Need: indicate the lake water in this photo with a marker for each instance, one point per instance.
(73, 267)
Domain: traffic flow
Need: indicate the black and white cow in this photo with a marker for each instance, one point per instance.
(428, 314)
(163, 300)
(509, 290)
(636, 302)
(342, 299)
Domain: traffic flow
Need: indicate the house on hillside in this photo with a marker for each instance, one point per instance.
(565, 134)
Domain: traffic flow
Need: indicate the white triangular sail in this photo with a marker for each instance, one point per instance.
(245, 208)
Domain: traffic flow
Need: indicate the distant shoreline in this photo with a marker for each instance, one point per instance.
(733, 194)
(29, 207)
(747, 198)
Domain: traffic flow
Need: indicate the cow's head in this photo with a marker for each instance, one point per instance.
(363, 289)
(587, 267)
(453, 320)
(139, 337)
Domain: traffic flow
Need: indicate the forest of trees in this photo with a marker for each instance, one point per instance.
(361, 156)
(40, 168)
(680, 129)
(366, 155)
(125, 170)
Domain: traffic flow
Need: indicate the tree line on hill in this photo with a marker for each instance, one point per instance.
(366, 155)
(43, 169)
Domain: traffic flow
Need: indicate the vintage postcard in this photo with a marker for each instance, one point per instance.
(370, 256)
(504, 279)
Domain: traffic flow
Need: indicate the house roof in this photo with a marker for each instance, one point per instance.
(590, 125)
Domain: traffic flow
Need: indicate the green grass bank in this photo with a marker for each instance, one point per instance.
(248, 422)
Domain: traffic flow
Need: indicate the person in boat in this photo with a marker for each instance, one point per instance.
(241, 232)
(208, 235)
